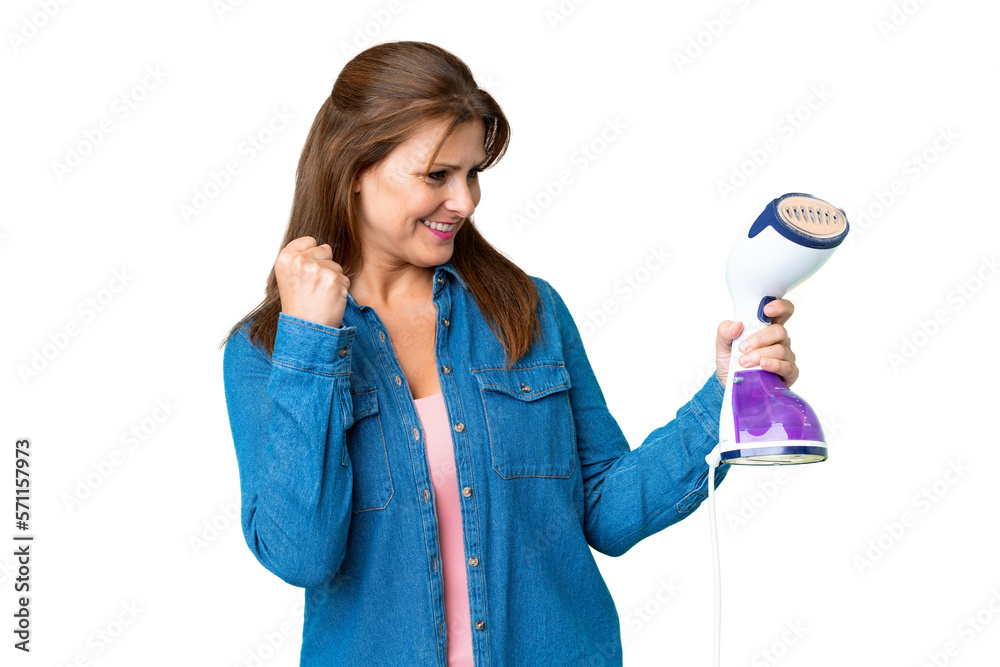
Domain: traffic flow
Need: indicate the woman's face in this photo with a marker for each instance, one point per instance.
(399, 194)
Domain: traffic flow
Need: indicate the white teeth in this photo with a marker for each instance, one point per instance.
(440, 227)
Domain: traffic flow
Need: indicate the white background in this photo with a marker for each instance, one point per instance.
(869, 87)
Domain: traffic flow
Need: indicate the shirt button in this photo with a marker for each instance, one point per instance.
(381, 336)
(399, 381)
(444, 321)
(525, 388)
(343, 352)
(459, 427)
(466, 492)
(446, 369)
(473, 561)
(416, 433)
(480, 625)
(440, 280)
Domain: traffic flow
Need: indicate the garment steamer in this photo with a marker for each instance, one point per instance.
(762, 421)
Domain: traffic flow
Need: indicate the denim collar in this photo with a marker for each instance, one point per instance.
(450, 268)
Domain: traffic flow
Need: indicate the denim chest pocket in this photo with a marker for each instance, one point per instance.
(529, 419)
(372, 488)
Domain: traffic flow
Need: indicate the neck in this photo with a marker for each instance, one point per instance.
(380, 285)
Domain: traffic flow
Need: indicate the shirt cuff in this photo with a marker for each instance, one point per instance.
(313, 347)
(707, 405)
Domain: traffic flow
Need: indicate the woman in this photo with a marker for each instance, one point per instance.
(422, 443)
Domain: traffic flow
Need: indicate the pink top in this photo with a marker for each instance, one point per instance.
(441, 459)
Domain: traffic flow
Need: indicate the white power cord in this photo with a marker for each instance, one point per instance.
(713, 460)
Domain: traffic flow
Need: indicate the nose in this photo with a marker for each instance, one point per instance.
(461, 199)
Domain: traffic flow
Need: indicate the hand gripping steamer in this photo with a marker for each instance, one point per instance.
(763, 422)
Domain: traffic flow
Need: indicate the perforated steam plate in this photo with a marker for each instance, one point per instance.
(811, 216)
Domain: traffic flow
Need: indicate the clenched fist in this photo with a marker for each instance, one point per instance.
(310, 284)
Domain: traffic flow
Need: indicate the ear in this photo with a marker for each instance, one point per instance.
(356, 183)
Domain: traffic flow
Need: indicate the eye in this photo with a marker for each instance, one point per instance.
(443, 175)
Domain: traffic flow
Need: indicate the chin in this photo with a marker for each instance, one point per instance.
(439, 257)
(442, 256)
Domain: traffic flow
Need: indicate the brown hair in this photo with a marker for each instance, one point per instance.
(381, 97)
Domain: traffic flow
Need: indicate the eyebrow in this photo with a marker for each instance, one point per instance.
(452, 166)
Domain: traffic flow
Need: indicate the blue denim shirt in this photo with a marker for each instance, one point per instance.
(337, 494)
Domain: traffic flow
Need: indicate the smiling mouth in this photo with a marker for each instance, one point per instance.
(440, 226)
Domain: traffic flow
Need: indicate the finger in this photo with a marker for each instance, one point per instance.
(300, 244)
(778, 351)
(788, 371)
(319, 252)
(772, 333)
(779, 310)
(727, 333)
(336, 269)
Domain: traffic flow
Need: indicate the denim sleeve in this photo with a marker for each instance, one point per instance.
(630, 494)
(288, 415)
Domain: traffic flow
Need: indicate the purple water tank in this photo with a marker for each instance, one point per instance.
(773, 424)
